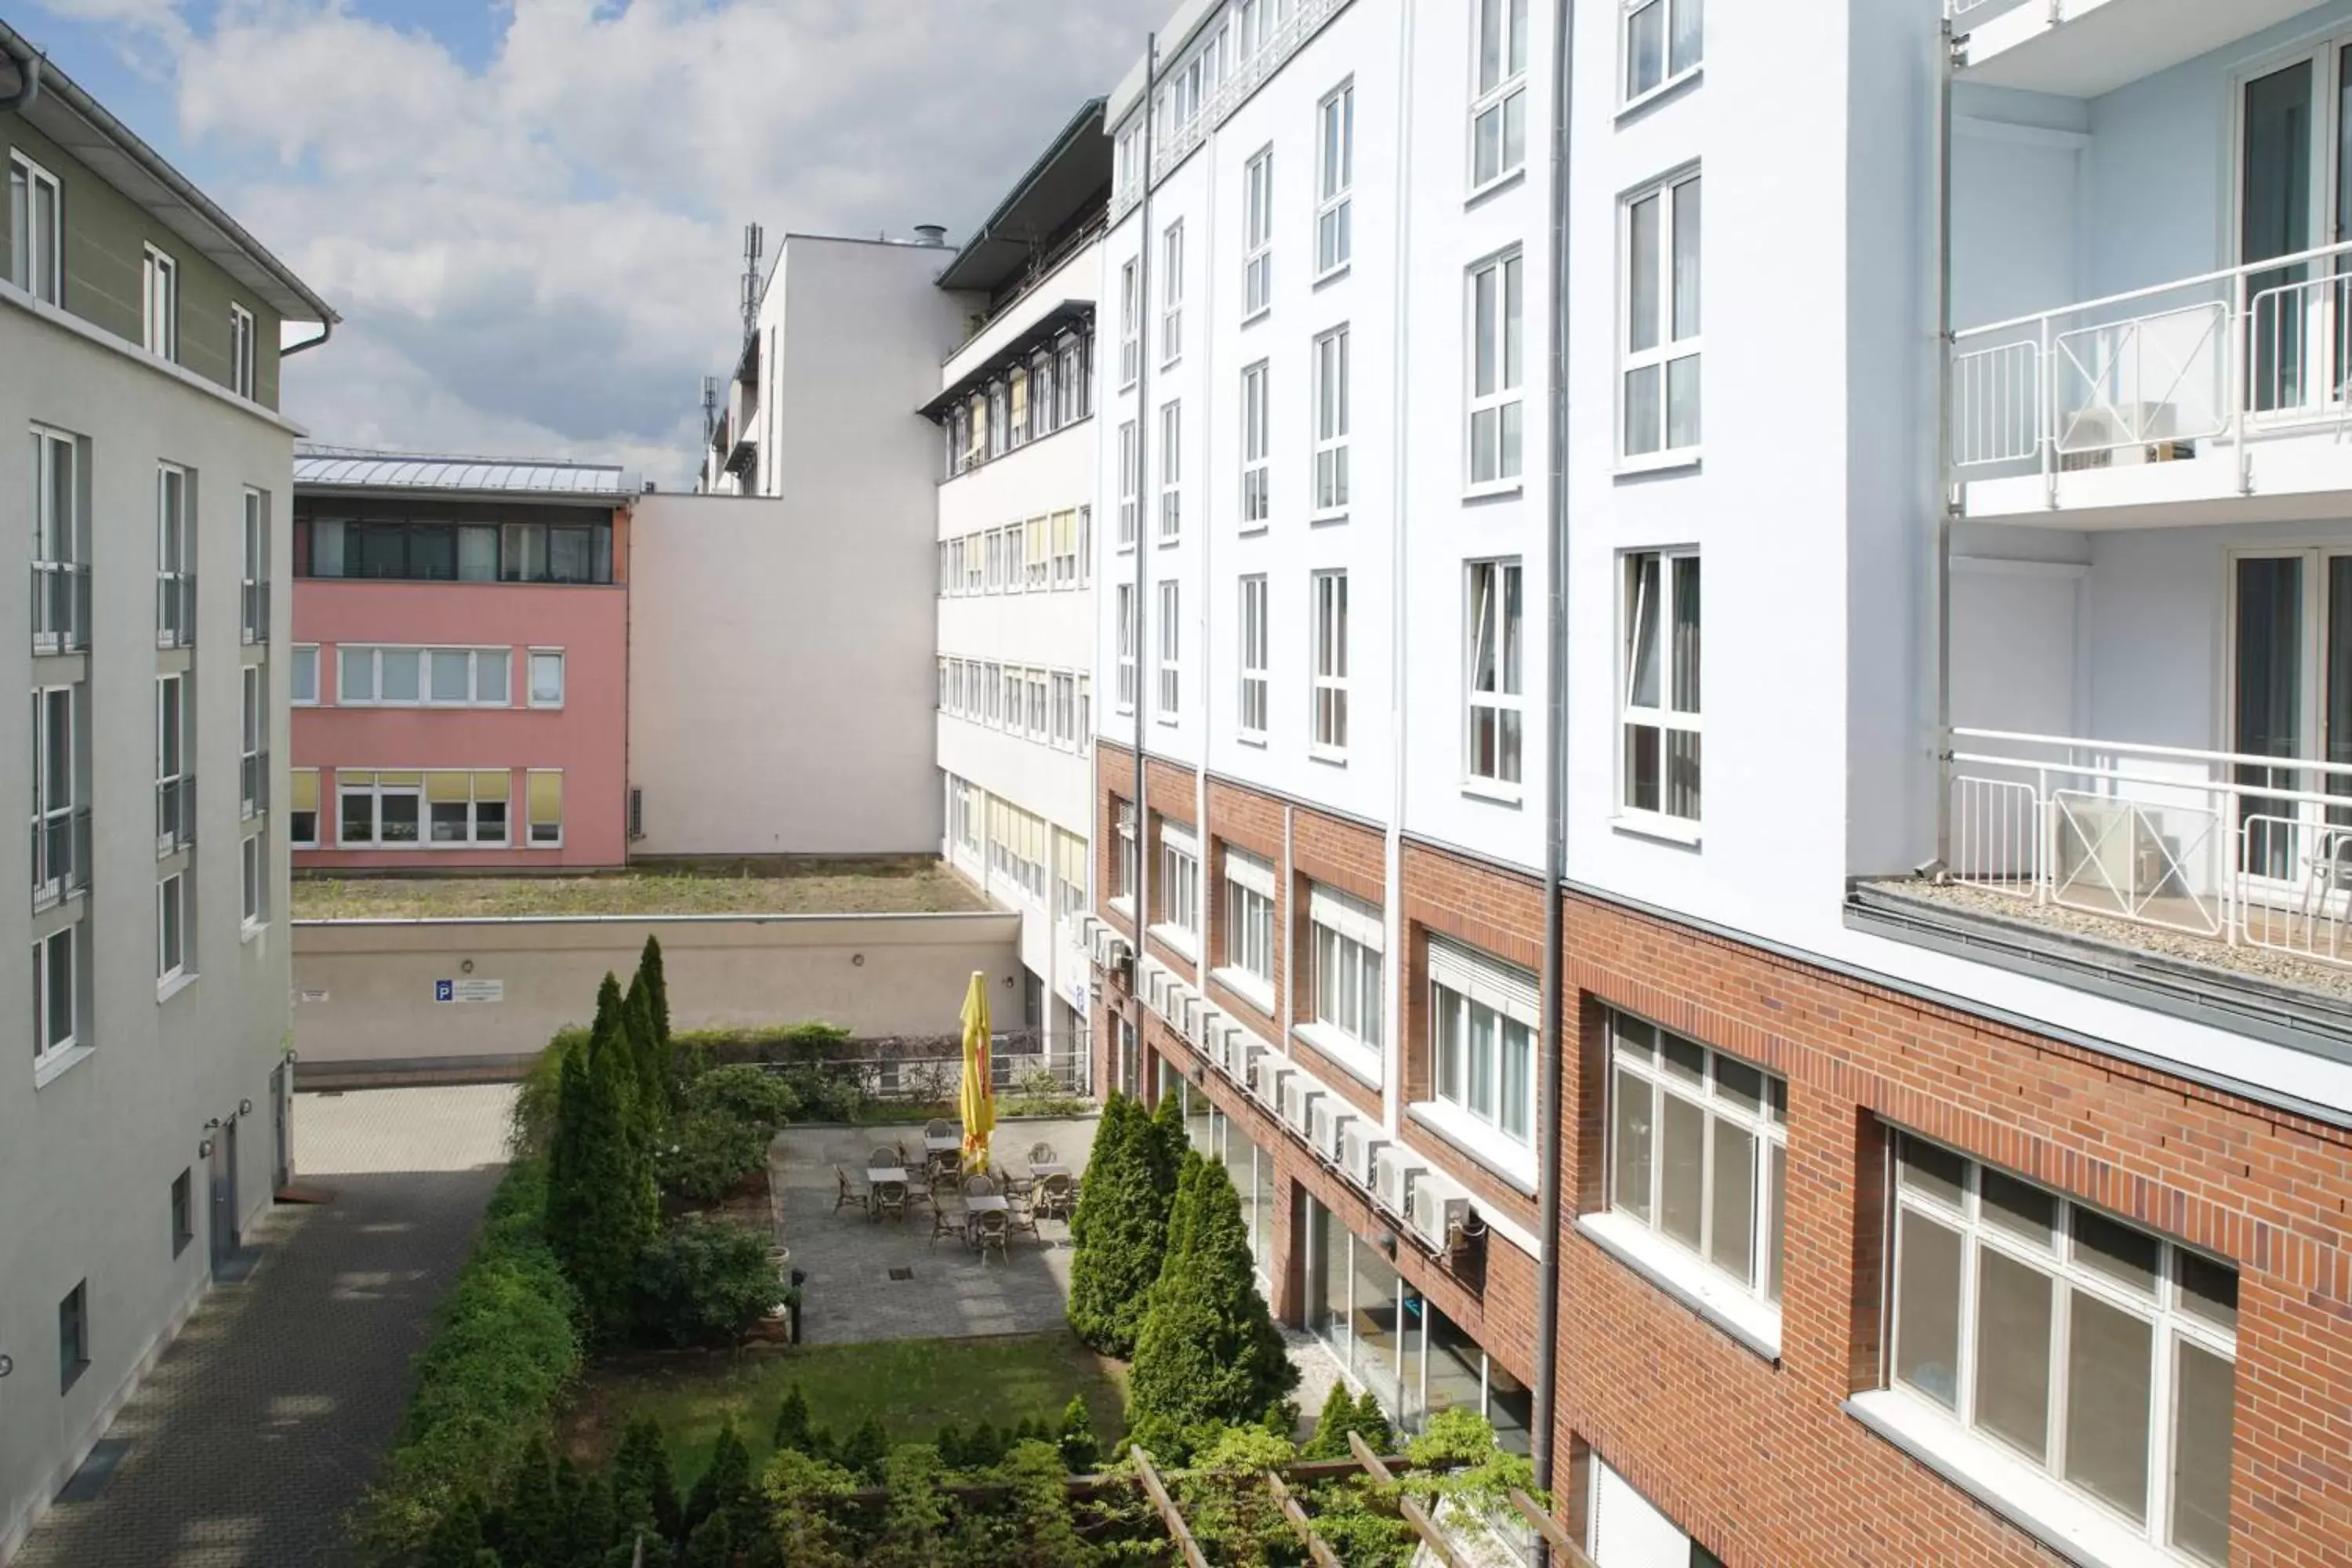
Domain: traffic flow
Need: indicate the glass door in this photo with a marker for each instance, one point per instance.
(2277, 187)
(2269, 694)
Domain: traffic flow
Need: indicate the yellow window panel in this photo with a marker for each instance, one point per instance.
(546, 798)
(492, 784)
(305, 789)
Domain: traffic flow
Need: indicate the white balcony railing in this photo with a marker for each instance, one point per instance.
(2246, 849)
(2147, 375)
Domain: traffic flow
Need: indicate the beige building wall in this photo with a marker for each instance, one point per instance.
(365, 991)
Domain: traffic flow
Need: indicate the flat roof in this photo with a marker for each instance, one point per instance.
(1073, 173)
(358, 469)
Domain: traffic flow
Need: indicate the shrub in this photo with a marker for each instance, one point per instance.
(1046, 1536)
(1342, 1414)
(601, 1206)
(1121, 1229)
(806, 1503)
(915, 1518)
(1081, 1449)
(504, 1348)
(645, 1492)
(704, 1281)
(705, 1155)
(748, 1094)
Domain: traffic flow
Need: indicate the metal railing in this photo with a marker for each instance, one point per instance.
(1176, 143)
(61, 856)
(176, 609)
(1980, 11)
(253, 786)
(253, 612)
(60, 607)
(2146, 375)
(175, 815)
(2239, 848)
(1022, 1064)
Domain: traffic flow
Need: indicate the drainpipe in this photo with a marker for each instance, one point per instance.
(1142, 512)
(1947, 501)
(1394, 968)
(1554, 1032)
(28, 66)
(326, 331)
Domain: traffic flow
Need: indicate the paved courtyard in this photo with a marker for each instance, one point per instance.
(257, 1429)
(849, 1293)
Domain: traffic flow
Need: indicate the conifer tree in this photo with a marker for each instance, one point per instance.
(1081, 1449)
(793, 1421)
(645, 1493)
(1044, 1535)
(649, 970)
(532, 1529)
(651, 1075)
(915, 1519)
(1122, 1231)
(608, 1010)
(724, 1483)
(457, 1540)
(865, 1452)
(606, 1209)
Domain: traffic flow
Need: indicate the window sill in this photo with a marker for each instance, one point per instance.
(1123, 908)
(1485, 1145)
(1324, 519)
(1178, 941)
(1493, 489)
(167, 989)
(1167, 720)
(1682, 1275)
(58, 1062)
(1250, 988)
(1253, 530)
(1171, 540)
(1688, 458)
(1496, 186)
(1260, 315)
(1327, 756)
(1256, 738)
(1494, 792)
(2075, 1527)
(1334, 275)
(1664, 829)
(1352, 1055)
(251, 930)
(1665, 89)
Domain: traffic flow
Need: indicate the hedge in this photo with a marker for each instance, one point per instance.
(505, 1347)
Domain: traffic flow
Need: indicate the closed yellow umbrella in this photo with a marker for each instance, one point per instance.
(979, 1097)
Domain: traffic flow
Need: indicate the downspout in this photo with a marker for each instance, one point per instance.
(1142, 911)
(1554, 1032)
(1947, 501)
(1394, 967)
(326, 331)
(29, 91)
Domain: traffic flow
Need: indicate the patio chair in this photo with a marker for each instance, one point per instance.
(979, 1186)
(1021, 1214)
(844, 1195)
(1041, 1154)
(989, 1229)
(1056, 1196)
(939, 1127)
(946, 1220)
(884, 1157)
(945, 1164)
(890, 1199)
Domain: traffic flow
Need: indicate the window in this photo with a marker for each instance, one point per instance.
(175, 794)
(546, 806)
(60, 830)
(1016, 425)
(36, 230)
(1254, 701)
(1482, 1025)
(1034, 684)
(423, 677)
(1130, 310)
(1257, 234)
(1659, 411)
(1127, 162)
(1172, 293)
(1066, 550)
(302, 811)
(172, 914)
(1332, 424)
(1347, 963)
(1660, 707)
(1037, 556)
(1249, 926)
(1129, 483)
(1180, 887)
(1172, 664)
(160, 319)
(379, 810)
(253, 570)
(963, 813)
(1066, 708)
(1496, 317)
(1069, 875)
(1330, 687)
(1070, 379)
(60, 574)
(1663, 43)
(73, 1336)
(428, 551)
(253, 868)
(998, 423)
(55, 994)
(1172, 471)
(252, 743)
(1495, 658)
(1698, 1152)
(1256, 429)
(468, 806)
(1016, 849)
(1125, 870)
(305, 676)
(184, 1212)
(1335, 179)
(975, 566)
(175, 557)
(546, 677)
(1498, 111)
(2095, 1352)
(240, 350)
(1045, 413)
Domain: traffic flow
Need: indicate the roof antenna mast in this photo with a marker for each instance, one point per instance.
(755, 244)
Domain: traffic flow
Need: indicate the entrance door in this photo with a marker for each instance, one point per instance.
(222, 1174)
(2290, 690)
(2278, 198)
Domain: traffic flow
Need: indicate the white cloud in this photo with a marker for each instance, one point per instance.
(540, 254)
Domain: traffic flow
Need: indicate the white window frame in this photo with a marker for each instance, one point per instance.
(347, 785)
(1131, 322)
(174, 755)
(1179, 888)
(159, 317)
(373, 654)
(240, 350)
(1331, 415)
(1255, 699)
(1249, 928)
(1498, 88)
(1257, 234)
(171, 929)
(476, 835)
(1475, 1007)
(1647, 440)
(1347, 981)
(1170, 689)
(1064, 685)
(318, 807)
(1065, 549)
(1495, 671)
(26, 179)
(1258, 440)
(1125, 868)
(252, 741)
(47, 1050)
(1037, 554)
(1172, 293)
(531, 660)
(1327, 725)
(53, 810)
(176, 553)
(253, 882)
(1130, 484)
(531, 836)
(1172, 470)
(253, 569)
(1124, 638)
(1496, 330)
(1670, 16)
(1335, 179)
(1651, 594)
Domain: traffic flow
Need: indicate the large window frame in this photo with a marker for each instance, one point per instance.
(1171, 688)
(1328, 733)
(1331, 424)
(253, 569)
(1483, 1020)
(544, 677)
(1258, 437)
(1495, 427)
(1249, 928)
(176, 750)
(1335, 179)
(37, 229)
(1257, 234)
(253, 882)
(1346, 981)
(171, 929)
(241, 350)
(393, 800)
(176, 556)
(60, 565)
(1179, 889)
(1255, 703)
(253, 743)
(1123, 634)
(1172, 293)
(302, 686)
(1659, 345)
(60, 834)
(1130, 470)
(1659, 700)
(1172, 470)
(487, 668)
(1499, 103)
(158, 315)
(1131, 322)
(57, 994)
(302, 808)
(1662, 44)
(1495, 659)
(544, 808)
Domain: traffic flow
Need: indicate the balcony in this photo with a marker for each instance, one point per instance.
(253, 612)
(2082, 48)
(175, 815)
(176, 609)
(60, 607)
(252, 786)
(2225, 398)
(60, 857)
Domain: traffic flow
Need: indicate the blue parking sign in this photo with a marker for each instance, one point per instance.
(445, 990)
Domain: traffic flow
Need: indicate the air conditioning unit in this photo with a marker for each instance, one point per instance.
(1361, 1148)
(1179, 998)
(1300, 1096)
(1153, 978)
(1393, 1173)
(2108, 436)
(1329, 1123)
(2105, 844)
(1121, 969)
(1205, 1025)
(1193, 1008)
(1436, 1210)
(1242, 1056)
(1265, 1084)
(636, 811)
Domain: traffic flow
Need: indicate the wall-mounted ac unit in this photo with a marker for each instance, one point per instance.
(1155, 982)
(1121, 968)
(1193, 1008)
(1328, 1124)
(1242, 1058)
(1436, 1210)
(1300, 1096)
(636, 811)
(1393, 1174)
(2107, 849)
(1265, 1084)
(1360, 1148)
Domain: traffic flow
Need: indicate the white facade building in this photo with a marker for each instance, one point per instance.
(145, 477)
(1016, 621)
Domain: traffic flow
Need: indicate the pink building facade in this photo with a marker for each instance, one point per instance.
(460, 664)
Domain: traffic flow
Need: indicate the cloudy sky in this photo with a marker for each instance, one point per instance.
(530, 212)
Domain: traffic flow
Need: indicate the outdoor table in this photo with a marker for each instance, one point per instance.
(983, 1205)
(1044, 1168)
(876, 1175)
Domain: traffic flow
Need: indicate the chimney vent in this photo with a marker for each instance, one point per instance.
(931, 234)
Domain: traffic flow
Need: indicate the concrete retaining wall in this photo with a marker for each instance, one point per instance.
(479, 997)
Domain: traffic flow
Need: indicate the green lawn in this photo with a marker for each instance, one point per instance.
(912, 1387)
